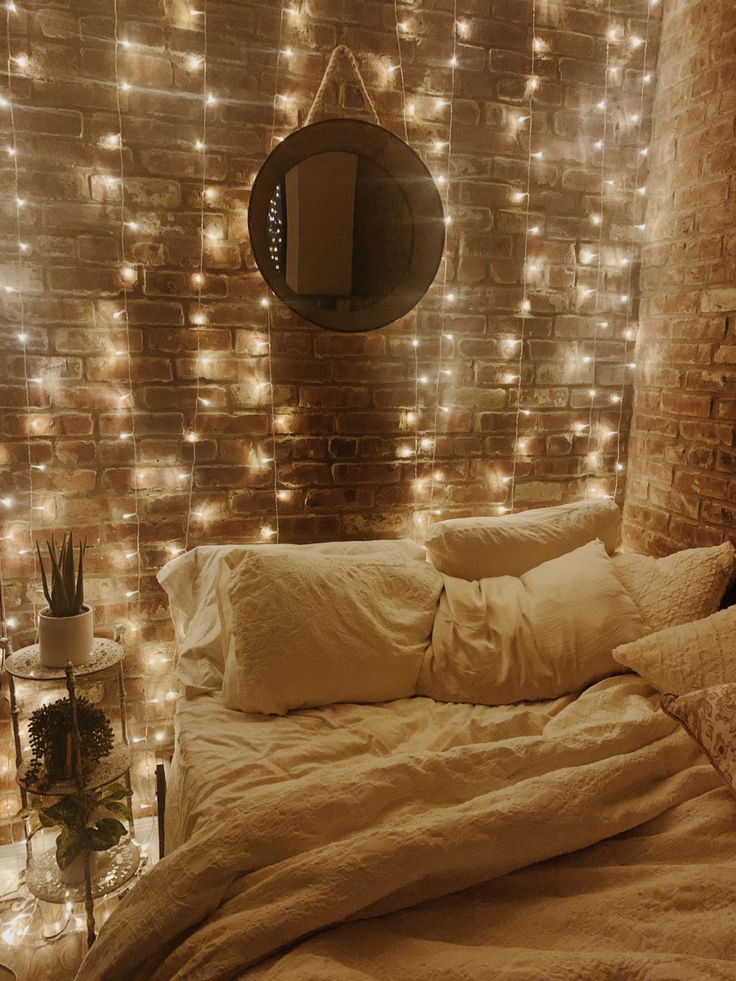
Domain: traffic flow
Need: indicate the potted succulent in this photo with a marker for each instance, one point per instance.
(89, 822)
(65, 628)
(50, 738)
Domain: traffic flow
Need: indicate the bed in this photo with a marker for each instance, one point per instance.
(583, 836)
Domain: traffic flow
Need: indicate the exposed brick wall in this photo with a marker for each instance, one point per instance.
(682, 472)
(341, 401)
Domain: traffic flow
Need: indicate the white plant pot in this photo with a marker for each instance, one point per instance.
(63, 639)
(73, 874)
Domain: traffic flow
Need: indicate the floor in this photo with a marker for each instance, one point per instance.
(24, 921)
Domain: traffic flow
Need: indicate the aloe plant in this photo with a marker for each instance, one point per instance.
(66, 596)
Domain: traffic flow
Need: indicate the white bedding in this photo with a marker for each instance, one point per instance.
(410, 817)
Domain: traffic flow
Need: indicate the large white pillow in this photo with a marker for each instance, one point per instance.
(684, 586)
(687, 657)
(510, 545)
(549, 632)
(315, 629)
(196, 584)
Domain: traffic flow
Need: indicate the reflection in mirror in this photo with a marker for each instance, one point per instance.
(340, 228)
(346, 225)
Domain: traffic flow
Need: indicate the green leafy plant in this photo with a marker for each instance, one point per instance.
(66, 595)
(89, 821)
(50, 738)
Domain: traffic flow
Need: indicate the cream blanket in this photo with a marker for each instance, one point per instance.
(297, 856)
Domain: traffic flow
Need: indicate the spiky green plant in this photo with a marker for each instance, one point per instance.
(66, 596)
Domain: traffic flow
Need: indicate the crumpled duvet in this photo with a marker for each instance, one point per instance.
(294, 857)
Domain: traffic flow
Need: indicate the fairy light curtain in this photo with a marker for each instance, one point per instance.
(171, 491)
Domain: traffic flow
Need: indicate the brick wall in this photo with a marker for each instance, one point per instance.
(342, 403)
(682, 473)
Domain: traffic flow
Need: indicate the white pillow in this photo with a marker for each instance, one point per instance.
(311, 630)
(549, 632)
(684, 586)
(196, 584)
(685, 658)
(510, 545)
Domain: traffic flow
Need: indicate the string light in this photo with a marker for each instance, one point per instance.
(447, 145)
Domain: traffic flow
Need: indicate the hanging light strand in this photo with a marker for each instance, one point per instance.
(412, 416)
(131, 434)
(269, 532)
(18, 290)
(519, 447)
(591, 457)
(191, 436)
(629, 333)
(435, 475)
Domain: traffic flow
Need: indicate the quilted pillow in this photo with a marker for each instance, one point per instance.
(684, 586)
(546, 633)
(512, 544)
(709, 716)
(687, 657)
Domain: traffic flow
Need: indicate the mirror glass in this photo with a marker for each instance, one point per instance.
(346, 225)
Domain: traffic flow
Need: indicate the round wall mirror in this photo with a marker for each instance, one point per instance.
(346, 225)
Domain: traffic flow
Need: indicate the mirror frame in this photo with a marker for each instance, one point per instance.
(422, 196)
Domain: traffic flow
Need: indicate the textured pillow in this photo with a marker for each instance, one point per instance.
(311, 630)
(196, 584)
(684, 586)
(709, 716)
(551, 631)
(510, 545)
(687, 657)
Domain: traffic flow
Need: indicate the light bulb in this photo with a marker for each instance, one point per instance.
(125, 436)
(414, 342)
(534, 230)
(194, 62)
(22, 60)
(518, 196)
(129, 273)
(199, 145)
(539, 155)
(198, 278)
(525, 306)
(23, 338)
(267, 532)
(450, 297)
(111, 141)
(191, 437)
(132, 225)
(211, 99)
(619, 467)
(7, 502)
(453, 61)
